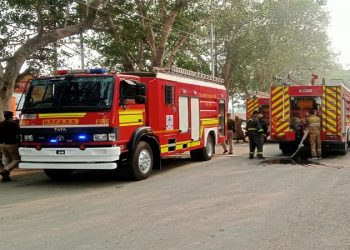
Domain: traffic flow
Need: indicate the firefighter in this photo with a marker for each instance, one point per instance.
(9, 130)
(263, 125)
(254, 131)
(313, 123)
(230, 131)
(239, 131)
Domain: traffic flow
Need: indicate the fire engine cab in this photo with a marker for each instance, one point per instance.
(91, 119)
(290, 106)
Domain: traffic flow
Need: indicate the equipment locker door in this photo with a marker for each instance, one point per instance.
(195, 127)
(183, 114)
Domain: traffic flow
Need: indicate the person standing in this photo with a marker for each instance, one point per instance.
(264, 127)
(9, 131)
(313, 123)
(230, 130)
(239, 131)
(255, 131)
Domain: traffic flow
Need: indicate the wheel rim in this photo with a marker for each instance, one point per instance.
(209, 148)
(144, 161)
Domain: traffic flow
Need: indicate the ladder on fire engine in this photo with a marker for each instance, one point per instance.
(188, 73)
(288, 79)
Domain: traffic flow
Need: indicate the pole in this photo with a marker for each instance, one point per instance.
(212, 48)
(55, 57)
(82, 63)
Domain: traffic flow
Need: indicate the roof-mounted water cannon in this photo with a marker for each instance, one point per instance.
(81, 71)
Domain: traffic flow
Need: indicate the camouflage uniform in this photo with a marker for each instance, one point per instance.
(314, 126)
(230, 131)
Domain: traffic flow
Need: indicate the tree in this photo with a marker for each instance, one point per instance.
(33, 25)
(263, 38)
(143, 34)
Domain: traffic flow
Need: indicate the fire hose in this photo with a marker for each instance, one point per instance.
(306, 132)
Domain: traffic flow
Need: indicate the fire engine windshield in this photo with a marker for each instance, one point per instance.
(70, 94)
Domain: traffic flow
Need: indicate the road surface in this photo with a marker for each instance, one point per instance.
(230, 202)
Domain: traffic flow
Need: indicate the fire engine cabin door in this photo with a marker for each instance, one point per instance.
(195, 123)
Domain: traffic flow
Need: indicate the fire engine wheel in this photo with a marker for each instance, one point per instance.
(141, 163)
(344, 149)
(204, 154)
(58, 174)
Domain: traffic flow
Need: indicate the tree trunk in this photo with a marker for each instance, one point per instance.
(15, 63)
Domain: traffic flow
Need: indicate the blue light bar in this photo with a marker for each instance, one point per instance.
(53, 141)
(82, 137)
(98, 71)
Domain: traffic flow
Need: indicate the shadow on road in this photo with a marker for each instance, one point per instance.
(93, 177)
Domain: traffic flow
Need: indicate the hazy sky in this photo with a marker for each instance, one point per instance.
(339, 30)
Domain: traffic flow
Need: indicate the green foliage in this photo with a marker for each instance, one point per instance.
(270, 37)
(256, 38)
(20, 21)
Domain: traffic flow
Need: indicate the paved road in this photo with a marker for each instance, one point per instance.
(230, 202)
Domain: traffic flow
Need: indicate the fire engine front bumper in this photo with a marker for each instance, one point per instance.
(69, 158)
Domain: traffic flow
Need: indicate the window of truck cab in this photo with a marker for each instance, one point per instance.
(70, 93)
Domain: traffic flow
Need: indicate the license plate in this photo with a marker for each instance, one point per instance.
(60, 152)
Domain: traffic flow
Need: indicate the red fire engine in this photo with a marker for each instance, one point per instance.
(97, 120)
(289, 108)
(259, 102)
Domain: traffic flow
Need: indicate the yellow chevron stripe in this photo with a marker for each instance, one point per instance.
(330, 107)
(330, 99)
(277, 103)
(331, 114)
(273, 112)
(283, 127)
(332, 122)
(251, 103)
(278, 95)
(333, 129)
(276, 90)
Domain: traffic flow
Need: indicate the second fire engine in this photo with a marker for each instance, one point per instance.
(290, 106)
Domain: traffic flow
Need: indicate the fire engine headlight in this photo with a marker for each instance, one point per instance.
(100, 137)
(28, 137)
(112, 137)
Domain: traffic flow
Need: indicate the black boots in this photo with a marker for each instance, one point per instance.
(5, 175)
(261, 157)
